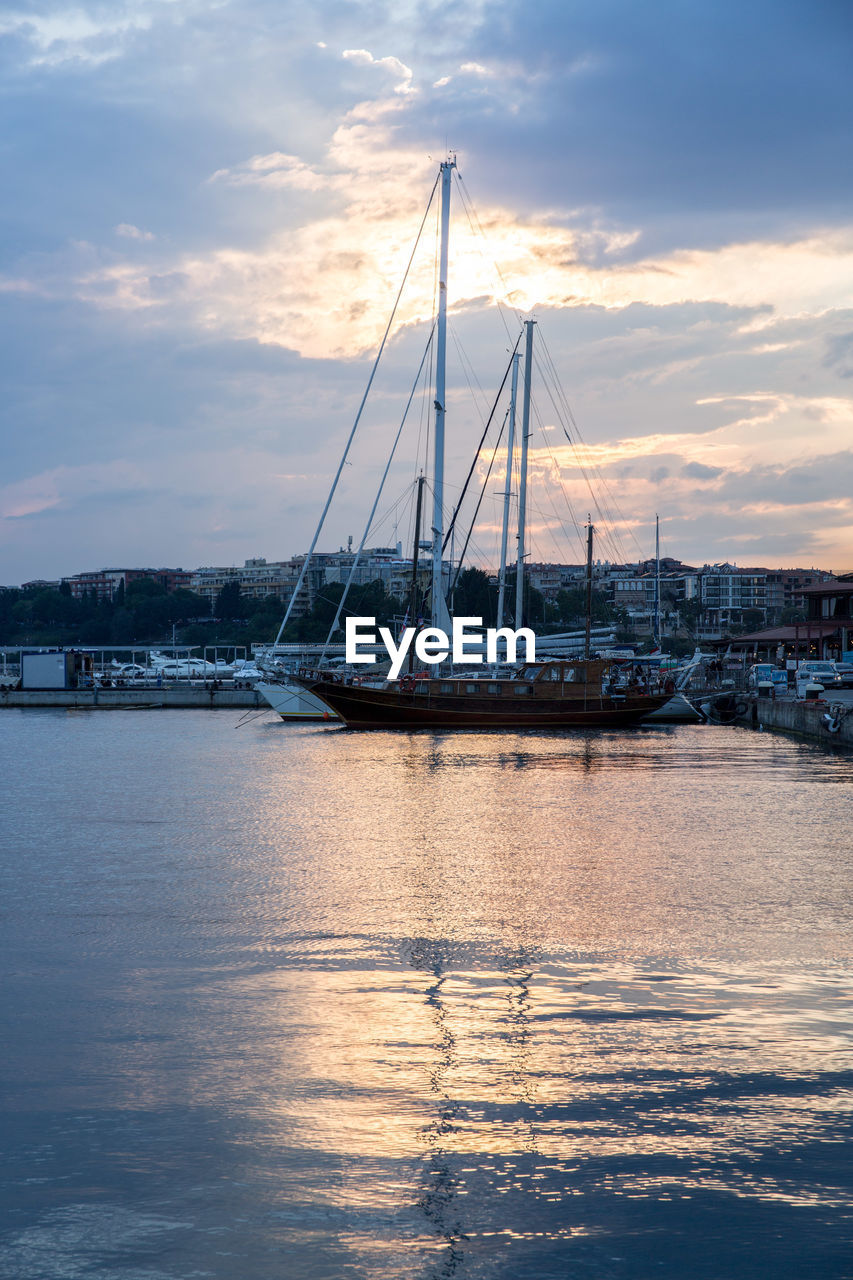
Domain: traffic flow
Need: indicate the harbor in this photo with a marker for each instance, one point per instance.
(175, 697)
(426, 642)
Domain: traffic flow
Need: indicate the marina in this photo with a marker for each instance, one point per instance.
(426, 642)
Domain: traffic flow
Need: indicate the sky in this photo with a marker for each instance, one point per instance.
(208, 209)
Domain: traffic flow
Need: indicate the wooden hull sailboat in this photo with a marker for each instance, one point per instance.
(547, 695)
(554, 694)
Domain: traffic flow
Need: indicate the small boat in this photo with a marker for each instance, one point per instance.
(541, 695)
(291, 702)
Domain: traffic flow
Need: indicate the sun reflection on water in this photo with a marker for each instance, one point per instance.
(463, 1005)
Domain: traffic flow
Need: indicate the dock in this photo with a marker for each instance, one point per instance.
(830, 722)
(151, 697)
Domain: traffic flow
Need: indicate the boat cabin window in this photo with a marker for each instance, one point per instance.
(493, 688)
(472, 688)
(422, 686)
(552, 674)
(571, 675)
(530, 673)
(522, 688)
(446, 686)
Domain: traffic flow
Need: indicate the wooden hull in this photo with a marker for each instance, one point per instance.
(370, 708)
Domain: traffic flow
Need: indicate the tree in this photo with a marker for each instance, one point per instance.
(571, 607)
(474, 597)
(229, 602)
(144, 587)
(122, 626)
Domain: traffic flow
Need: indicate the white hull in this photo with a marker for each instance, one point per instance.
(293, 703)
(677, 711)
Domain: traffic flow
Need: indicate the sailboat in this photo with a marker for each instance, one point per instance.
(555, 693)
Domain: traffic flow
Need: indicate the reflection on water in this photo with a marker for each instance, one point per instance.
(309, 1003)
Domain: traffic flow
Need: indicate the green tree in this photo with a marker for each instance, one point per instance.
(229, 602)
(144, 587)
(122, 626)
(474, 596)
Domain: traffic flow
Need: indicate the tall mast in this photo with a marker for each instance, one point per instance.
(587, 642)
(439, 608)
(510, 449)
(657, 583)
(412, 611)
(522, 488)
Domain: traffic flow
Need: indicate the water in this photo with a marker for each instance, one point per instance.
(299, 1003)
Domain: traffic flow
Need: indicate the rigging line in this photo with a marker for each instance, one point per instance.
(248, 716)
(502, 302)
(307, 559)
(479, 501)
(404, 502)
(480, 446)
(544, 349)
(404, 499)
(614, 515)
(608, 536)
(366, 533)
(573, 519)
(469, 371)
(607, 515)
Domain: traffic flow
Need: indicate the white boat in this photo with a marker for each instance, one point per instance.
(677, 711)
(293, 703)
(188, 668)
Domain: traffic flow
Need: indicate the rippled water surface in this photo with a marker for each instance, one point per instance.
(294, 1002)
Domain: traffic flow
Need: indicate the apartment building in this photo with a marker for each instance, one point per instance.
(104, 583)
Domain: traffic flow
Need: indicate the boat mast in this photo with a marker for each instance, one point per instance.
(587, 641)
(522, 488)
(510, 449)
(412, 611)
(657, 584)
(439, 608)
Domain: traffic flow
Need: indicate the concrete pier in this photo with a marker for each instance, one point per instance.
(179, 696)
(808, 719)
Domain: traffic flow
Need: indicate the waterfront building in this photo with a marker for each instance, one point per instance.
(257, 579)
(104, 583)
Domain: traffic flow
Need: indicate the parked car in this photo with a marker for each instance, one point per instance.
(819, 671)
(845, 674)
(766, 673)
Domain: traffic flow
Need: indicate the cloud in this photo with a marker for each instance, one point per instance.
(403, 74)
(698, 471)
(66, 485)
(130, 232)
(83, 35)
(241, 186)
(274, 170)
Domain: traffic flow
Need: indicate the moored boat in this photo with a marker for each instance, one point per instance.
(292, 702)
(542, 695)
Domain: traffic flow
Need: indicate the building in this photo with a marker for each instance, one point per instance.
(826, 631)
(104, 583)
(727, 593)
(551, 579)
(257, 579)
